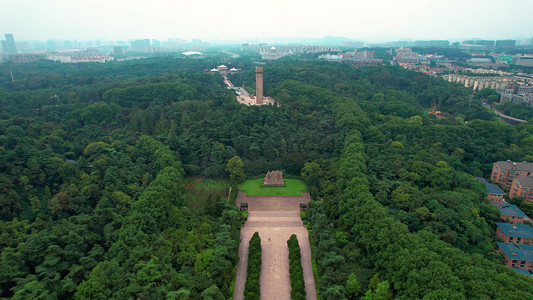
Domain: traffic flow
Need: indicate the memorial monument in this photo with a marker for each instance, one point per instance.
(274, 178)
(259, 85)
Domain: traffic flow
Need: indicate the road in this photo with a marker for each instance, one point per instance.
(507, 118)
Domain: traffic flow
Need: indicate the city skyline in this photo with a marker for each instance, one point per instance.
(241, 21)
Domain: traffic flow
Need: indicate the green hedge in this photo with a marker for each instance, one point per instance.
(252, 289)
(295, 269)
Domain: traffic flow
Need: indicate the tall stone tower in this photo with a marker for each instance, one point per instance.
(259, 85)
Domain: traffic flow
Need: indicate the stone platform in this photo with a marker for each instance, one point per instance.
(276, 218)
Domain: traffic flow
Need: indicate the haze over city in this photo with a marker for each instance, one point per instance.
(259, 150)
(241, 20)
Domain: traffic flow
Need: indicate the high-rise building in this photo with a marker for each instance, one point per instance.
(488, 44)
(505, 44)
(355, 44)
(50, 45)
(4, 46)
(432, 43)
(67, 44)
(11, 47)
(118, 51)
(140, 45)
(485, 44)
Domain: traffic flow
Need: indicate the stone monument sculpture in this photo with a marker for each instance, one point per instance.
(259, 85)
(274, 178)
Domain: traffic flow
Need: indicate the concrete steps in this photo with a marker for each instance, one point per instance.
(274, 219)
(273, 214)
(274, 224)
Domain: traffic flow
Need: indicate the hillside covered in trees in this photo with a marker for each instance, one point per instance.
(94, 160)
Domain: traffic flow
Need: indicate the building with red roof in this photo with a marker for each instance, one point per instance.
(504, 172)
(522, 186)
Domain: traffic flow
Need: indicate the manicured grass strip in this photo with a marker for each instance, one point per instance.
(254, 187)
(252, 289)
(296, 272)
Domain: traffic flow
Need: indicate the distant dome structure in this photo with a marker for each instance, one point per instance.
(187, 53)
(273, 49)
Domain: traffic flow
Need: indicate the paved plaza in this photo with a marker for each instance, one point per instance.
(243, 97)
(276, 218)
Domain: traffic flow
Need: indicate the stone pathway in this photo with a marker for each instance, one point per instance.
(276, 218)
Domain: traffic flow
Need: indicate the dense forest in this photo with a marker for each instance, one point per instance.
(97, 163)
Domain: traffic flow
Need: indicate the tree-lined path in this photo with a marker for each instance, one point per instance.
(276, 218)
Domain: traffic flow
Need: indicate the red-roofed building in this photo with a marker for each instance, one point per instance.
(504, 172)
(522, 187)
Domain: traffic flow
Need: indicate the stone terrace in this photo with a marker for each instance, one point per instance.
(276, 218)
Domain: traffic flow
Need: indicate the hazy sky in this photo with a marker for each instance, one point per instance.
(370, 20)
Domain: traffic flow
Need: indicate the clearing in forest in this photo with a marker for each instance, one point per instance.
(254, 187)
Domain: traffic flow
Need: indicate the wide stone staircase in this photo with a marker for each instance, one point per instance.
(274, 219)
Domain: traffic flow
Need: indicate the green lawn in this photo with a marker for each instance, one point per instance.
(254, 187)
